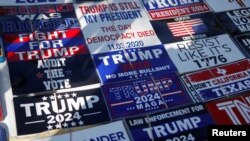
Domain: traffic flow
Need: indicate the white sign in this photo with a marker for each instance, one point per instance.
(110, 132)
(226, 5)
(115, 25)
(199, 54)
(31, 2)
(64, 137)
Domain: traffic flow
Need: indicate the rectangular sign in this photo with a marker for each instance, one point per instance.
(59, 110)
(129, 64)
(236, 21)
(244, 42)
(32, 2)
(219, 82)
(187, 27)
(227, 5)
(199, 54)
(231, 110)
(114, 131)
(145, 95)
(165, 9)
(19, 19)
(54, 60)
(185, 123)
(3, 136)
(115, 25)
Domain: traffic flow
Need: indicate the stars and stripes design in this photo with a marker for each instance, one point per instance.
(188, 27)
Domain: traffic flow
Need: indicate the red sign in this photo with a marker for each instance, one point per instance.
(234, 110)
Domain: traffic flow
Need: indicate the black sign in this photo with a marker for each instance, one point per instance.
(60, 110)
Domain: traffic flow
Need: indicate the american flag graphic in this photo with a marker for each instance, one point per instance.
(188, 27)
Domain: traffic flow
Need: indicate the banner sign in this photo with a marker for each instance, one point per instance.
(220, 81)
(236, 21)
(32, 2)
(1, 51)
(234, 110)
(227, 5)
(244, 42)
(144, 95)
(165, 9)
(133, 63)
(115, 25)
(185, 123)
(19, 19)
(199, 54)
(60, 110)
(54, 60)
(109, 132)
(187, 28)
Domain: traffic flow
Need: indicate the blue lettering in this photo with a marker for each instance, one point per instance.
(110, 137)
(34, 1)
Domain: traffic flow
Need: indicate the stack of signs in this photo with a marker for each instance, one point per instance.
(235, 17)
(191, 34)
(219, 82)
(136, 72)
(1, 51)
(233, 110)
(45, 46)
(185, 123)
(60, 110)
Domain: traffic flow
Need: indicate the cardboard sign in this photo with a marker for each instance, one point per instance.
(164, 9)
(32, 2)
(231, 110)
(19, 19)
(187, 123)
(244, 42)
(115, 25)
(199, 54)
(129, 64)
(54, 60)
(144, 95)
(60, 110)
(236, 21)
(220, 81)
(187, 28)
(109, 132)
(226, 5)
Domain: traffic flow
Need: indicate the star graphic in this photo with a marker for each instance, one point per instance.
(58, 126)
(68, 72)
(221, 71)
(50, 127)
(74, 94)
(65, 125)
(44, 98)
(80, 122)
(39, 75)
(59, 96)
(73, 123)
(66, 95)
(52, 97)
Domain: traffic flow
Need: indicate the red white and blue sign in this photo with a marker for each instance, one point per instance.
(54, 60)
(165, 9)
(18, 19)
(188, 123)
(134, 63)
(187, 28)
(144, 95)
(59, 110)
(219, 82)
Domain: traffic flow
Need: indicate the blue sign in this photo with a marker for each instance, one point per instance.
(188, 123)
(144, 95)
(3, 136)
(187, 28)
(244, 42)
(235, 21)
(59, 110)
(134, 63)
